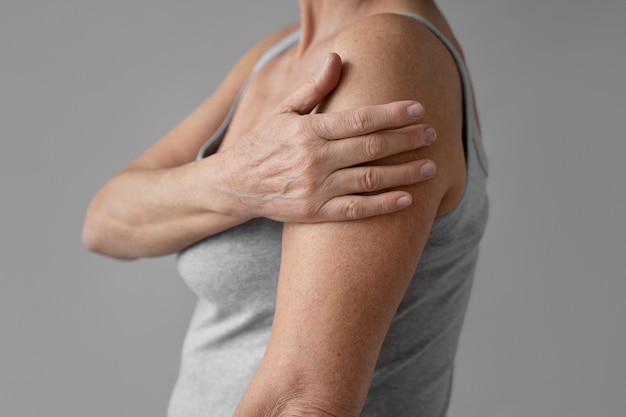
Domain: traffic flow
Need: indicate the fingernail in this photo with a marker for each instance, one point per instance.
(404, 201)
(430, 135)
(415, 110)
(428, 169)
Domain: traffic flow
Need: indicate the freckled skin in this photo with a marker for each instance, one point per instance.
(340, 283)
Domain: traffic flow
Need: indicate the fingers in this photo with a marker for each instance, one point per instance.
(358, 150)
(307, 97)
(368, 119)
(354, 207)
(367, 179)
(350, 182)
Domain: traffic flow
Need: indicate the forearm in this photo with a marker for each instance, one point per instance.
(154, 212)
(290, 168)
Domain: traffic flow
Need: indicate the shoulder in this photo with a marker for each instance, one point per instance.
(399, 46)
(388, 30)
(389, 57)
(384, 30)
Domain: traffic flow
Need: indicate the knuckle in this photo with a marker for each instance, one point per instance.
(360, 121)
(410, 176)
(306, 178)
(370, 179)
(309, 187)
(326, 125)
(353, 210)
(394, 115)
(383, 207)
(410, 173)
(374, 146)
(414, 138)
(305, 160)
(299, 128)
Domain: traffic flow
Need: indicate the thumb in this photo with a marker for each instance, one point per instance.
(307, 97)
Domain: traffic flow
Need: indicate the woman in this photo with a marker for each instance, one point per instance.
(310, 301)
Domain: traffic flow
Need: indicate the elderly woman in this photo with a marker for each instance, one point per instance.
(332, 278)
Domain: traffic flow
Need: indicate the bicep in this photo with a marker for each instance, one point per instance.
(341, 283)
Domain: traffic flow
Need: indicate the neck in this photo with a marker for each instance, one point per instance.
(322, 19)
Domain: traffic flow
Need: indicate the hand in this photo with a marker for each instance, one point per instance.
(302, 167)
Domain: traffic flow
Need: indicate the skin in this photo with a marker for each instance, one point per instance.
(341, 283)
(302, 166)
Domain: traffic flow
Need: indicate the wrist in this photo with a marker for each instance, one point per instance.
(213, 182)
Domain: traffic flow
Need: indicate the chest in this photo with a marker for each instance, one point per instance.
(265, 91)
(235, 270)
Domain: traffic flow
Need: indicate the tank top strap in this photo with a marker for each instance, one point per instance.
(276, 50)
(472, 133)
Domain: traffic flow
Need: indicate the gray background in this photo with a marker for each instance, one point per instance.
(87, 85)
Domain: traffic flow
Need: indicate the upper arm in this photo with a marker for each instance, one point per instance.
(182, 143)
(341, 283)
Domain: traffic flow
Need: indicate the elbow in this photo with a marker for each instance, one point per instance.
(90, 238)
(99, 237)
(282, 393)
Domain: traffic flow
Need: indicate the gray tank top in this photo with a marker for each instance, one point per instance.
(235, 275)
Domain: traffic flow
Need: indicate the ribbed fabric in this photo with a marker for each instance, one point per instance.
(235, 276)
